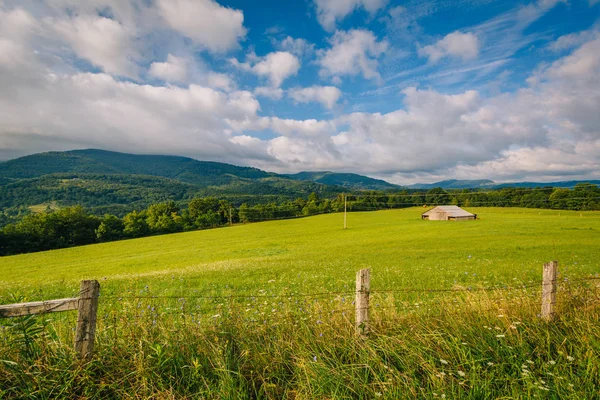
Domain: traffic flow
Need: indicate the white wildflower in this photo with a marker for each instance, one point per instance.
(443, 361)
(461, 373)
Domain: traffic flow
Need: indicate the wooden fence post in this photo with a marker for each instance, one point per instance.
(86, 318)
(363, 287)
(549, 290)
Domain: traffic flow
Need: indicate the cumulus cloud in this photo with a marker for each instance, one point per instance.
(326, 95)
(329, 12)
(546, 132)
(102, 41)
(355, 52)
(455, 44)
(299, 47)
(206, 22)
(270, 92)
(276, 66)
(172, 70)
(572, 40)
(41, 110)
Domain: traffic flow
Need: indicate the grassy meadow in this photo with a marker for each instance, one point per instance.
(265, 310)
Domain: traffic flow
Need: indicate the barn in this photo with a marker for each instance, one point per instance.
(448, 213)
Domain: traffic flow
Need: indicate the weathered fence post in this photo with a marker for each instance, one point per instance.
(549, 290)
(363, 287)
(86, 318)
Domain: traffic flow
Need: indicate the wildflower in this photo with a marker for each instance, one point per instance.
(569, 358)
(315, 358)
(320, 334)
(530, 362)
(378, 394)
(462, 374)
(443, 361)
(551, 362)
(490, 363)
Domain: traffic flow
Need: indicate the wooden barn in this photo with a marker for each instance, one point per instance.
(448, 213)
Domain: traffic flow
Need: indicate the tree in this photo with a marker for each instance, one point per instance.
(437, 196)
(163, 218)
(243, 213)
(135, 224)
(111, 228)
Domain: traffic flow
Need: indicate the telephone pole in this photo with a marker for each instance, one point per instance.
(345, 209)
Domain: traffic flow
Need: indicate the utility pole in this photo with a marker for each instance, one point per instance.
(345, 209)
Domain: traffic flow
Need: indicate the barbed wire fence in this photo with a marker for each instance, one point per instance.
(364, 308)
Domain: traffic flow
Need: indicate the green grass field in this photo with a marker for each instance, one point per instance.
(223, 313)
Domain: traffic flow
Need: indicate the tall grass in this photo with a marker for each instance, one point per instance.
(188, 322)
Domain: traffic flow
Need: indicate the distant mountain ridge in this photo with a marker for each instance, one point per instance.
(488, 184)
(349, 180)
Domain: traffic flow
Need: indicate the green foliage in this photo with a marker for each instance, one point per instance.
(135, 224)
(111, 228)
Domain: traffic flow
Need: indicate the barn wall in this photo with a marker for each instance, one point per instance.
(437, 216)
(465, 218)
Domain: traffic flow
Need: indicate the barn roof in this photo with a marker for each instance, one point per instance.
(453, 211)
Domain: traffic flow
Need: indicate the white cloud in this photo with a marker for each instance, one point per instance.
(220, 81)
(352, 53)
(329, 12)
(207, 23)
(299, 47)
(572, 40)
(102, 41)
(270, 92)
(455, 44)
(173, 70)
(326, 95)
(276, 66)
(546, 132)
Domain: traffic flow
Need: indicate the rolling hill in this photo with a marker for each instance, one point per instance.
(352, 181)
(111, 182)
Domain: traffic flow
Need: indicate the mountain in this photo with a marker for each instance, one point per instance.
(455, 184)
(351, 181)
(117, 183)
(183, 169)
(487, 184)
(561, 184)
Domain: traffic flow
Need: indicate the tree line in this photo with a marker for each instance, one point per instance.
(75, 226)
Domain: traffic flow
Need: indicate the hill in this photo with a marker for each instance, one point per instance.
(92, 161)
(351, 181)
(106, 181)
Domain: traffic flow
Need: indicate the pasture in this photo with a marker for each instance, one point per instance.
(264, 311)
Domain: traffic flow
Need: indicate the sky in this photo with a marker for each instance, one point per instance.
(411, 91)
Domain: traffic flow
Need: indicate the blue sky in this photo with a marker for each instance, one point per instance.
(405, 91)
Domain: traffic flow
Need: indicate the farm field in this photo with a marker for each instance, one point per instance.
(264, 311)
